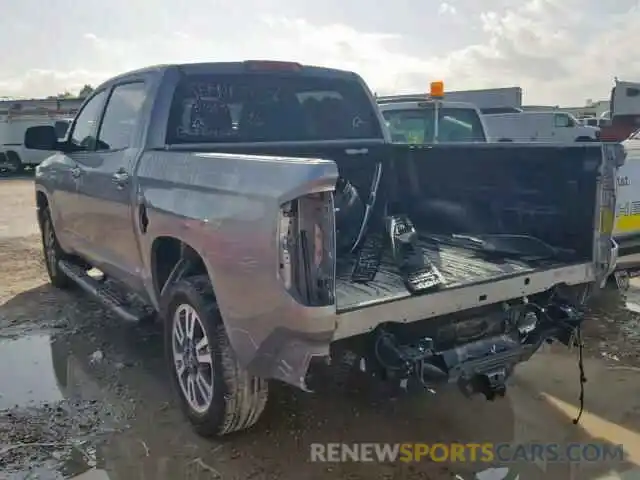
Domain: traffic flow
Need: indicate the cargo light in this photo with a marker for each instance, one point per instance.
(436, 89)
(272, 65)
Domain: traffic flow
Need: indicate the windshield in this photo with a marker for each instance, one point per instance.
(270, 107)
(417, 125)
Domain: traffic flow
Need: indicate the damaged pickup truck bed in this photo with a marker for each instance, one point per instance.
(261, 212)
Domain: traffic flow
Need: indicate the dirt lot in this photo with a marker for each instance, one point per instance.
(81, 390)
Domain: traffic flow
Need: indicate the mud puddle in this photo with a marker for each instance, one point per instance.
(51, 419)
(104, 405)
(26, 369)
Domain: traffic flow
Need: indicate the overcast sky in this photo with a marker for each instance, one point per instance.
(559, 51)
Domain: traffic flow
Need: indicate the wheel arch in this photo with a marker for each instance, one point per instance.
(172, 258)
(13, 153)
(42, 203)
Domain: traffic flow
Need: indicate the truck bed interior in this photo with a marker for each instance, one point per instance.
(452, 192)
(544, 193)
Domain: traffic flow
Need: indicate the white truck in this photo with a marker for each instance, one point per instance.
(16, 116)
(549, 127)
(627, 226)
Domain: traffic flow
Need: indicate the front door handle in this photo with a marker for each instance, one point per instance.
(120, 178)
(76, 172)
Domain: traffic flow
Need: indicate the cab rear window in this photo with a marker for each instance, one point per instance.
(270, 107)
(418, 125)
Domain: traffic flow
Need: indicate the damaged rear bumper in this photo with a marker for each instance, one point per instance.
(482, 366)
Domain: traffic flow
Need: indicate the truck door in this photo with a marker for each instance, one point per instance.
(66, 209)
(562, 128)
(106, 191)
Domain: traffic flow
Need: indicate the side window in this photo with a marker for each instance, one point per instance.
(121, 116)
(84, 129)
(561, 120)
(61, 128)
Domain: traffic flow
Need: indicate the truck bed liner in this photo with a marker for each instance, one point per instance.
(458, 265)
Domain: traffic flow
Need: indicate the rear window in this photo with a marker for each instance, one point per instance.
(269, 108)
(417, 125)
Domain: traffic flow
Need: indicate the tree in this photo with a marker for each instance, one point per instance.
(86, 91)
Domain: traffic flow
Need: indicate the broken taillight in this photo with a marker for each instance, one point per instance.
(306, 246)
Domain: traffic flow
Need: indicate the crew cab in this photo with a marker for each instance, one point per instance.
(261, 212)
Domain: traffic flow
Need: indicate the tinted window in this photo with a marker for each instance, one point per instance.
(84, 130)
(270, 107)
(61, 128)
(121, 116)
(417, 125)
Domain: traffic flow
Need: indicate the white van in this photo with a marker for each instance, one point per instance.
(627, 227)
(552, 127)
(417, 121)
(12, 131)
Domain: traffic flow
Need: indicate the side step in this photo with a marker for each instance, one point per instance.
(107, 294)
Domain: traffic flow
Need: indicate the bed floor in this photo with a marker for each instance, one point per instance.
(458, 265)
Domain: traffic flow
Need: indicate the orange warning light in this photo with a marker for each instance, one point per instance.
(437, 89)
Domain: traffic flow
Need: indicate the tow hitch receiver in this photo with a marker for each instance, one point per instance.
(480, 366)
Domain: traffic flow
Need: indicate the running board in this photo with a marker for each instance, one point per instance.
(106, 294)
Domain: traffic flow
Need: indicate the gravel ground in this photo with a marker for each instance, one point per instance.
(81, 390)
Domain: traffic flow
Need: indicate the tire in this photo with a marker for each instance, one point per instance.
(237, 399)
(14, 162)
(53, 253)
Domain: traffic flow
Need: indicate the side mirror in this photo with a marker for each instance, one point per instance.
(43, 137)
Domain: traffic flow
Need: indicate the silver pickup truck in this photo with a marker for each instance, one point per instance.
(260, 211)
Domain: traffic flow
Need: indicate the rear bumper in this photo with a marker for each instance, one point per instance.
(288, 353)
(421, 307)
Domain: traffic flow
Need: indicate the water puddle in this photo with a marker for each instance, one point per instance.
(27, 375)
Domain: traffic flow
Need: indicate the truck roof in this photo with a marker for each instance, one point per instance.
(407, 105)
(245, 66)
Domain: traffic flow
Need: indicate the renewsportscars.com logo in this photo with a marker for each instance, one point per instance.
(466, 452)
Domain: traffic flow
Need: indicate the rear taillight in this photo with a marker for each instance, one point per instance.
(306, 246)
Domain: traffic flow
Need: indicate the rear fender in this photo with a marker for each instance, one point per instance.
(226, 207)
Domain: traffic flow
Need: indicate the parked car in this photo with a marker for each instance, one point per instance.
(261, 212)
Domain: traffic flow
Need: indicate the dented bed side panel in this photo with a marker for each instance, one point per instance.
(226, 207)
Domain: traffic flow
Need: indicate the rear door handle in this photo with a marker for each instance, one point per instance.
(120, 178)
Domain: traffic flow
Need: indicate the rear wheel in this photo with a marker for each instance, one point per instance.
(53, 253)
(14, 163)
(216, 393)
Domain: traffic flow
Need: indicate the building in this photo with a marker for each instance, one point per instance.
(15, 107)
